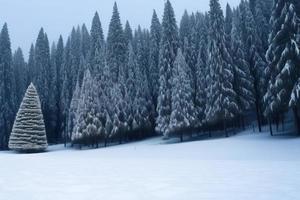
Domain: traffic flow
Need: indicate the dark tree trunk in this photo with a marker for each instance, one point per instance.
(277, 122)
(243, 122)
(258, 118)
(225, 128)
(296, 118)
(282, 122)
(270, 126)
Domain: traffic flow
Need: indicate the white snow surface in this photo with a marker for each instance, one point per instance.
(245, 166)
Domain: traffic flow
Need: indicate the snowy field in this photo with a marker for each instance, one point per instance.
(245, 166)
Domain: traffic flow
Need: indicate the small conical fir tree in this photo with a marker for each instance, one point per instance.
(28, 133)
(182, 115)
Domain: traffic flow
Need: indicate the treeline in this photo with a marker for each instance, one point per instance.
(205, 75)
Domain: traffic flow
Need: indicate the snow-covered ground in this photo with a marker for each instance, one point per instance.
(245, 166)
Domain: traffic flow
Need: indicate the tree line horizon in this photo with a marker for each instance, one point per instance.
(204, 75)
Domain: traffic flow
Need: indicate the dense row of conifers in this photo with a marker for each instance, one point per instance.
(204, 75)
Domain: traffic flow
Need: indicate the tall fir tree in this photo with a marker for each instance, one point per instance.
(183, 111)
(243, 80)
(7, 88)
(283, 58)
(73, 112)
(168, 49)
(252, 47)
(201, 84)
(88, 126)
(221, 104)
(155, 37)
(116, 45)
(97, 42)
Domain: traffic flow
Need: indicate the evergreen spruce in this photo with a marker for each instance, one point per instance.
(201, 84)
(97, 42)
(221, 104)
(88, 126)
(7, 88)
(168, 50)
(116, 45)
(155, 37)
(182, 116)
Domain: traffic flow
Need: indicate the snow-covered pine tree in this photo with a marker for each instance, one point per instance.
(28, 133)
(118, 114)
(183, 111)
(143, 75)
(243, 81)
(116, 45)
(106, 108)
(73, 112)
(221, 104)
(88, 126)
(155, 36)
(130, 86)
(7, 88)
(168, 50)
(201, 84)
(187, 53)
(283, 58)
(252, 47)
(142, 103)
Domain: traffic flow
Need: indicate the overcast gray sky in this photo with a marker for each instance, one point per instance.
(25, 17)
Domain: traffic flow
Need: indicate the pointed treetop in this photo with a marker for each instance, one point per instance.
(32, 87)
(154, 15)
(4, 32)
